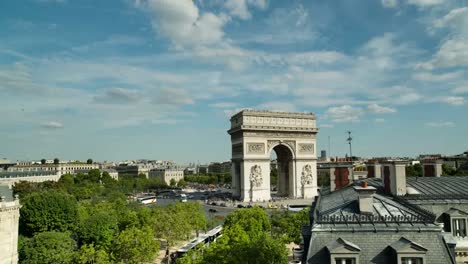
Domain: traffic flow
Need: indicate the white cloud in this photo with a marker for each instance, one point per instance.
(182, 22)
(238, 8)
(456, 19)
(52, 125)
(118, 96)
(377, 109)
(173, 96)
(441, 124)
(425, 3)
(379, 120)
(262, 4)
(452, 100)
(389, 3)
(345, 113)
(395, 95)
(461, 89)
(452, 53)
(429, 77)
(223, 105)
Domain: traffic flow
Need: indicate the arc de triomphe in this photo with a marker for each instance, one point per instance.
(292, 136)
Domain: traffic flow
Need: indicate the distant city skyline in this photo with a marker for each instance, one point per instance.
(159, 79)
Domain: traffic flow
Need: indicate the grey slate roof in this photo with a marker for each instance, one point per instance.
(341, 207)
(375, 247)
(394, 221)
(440, 186)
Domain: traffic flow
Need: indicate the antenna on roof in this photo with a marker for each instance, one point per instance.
(350, 139)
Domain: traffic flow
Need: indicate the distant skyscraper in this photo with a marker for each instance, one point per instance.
(323, 154)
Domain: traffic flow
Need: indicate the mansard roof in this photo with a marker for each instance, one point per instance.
(341, 207)
(404, 245)
(342, 246)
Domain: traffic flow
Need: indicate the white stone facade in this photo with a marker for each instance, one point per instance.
(9, 219)
(254, 135)
(61, 169)
(167, 174)
(10, 179)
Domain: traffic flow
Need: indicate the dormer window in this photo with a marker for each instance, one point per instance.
(343, 252)
(456, 222)
(411, 260)
(408, 252)
(459, 227)
(345, 260)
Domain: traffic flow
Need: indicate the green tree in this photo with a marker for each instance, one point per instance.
(252, 220)
(89, 161)
(415, 170)
(448, 171)
(67, 181)
(43, 161)
(182, 183)
(94, 176)
(48, 247)
(287, 226)
(135, 245)
(173, 182)
(323, 179)
(48, 211)
(245, 244)
(23, 188)
(98, 229)
(88, 254)
(273, 177)
(56, 161)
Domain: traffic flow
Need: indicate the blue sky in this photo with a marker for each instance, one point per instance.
(159, 79)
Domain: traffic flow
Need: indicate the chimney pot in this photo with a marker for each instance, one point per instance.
(366, 198)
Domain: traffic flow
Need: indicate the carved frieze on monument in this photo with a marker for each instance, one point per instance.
(255, 148)
(306, 148)
(291, 143)
(272, 143)
(306, 177)
(256, 176)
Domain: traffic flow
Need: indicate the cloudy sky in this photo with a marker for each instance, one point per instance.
(127, 79)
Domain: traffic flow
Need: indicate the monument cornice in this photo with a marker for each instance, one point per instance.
(265, 113)
(252, 128)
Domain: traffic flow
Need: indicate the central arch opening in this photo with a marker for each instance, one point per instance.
(281, 163)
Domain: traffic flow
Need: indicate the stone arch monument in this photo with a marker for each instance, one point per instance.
(292, 136)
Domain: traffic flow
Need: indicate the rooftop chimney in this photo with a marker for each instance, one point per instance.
(365, 197)
(432, 168)
(340, 175)
(394, 177)
(373, 169)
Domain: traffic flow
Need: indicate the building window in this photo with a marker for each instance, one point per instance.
(345, 261)
(411, 260)
(459, 227)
